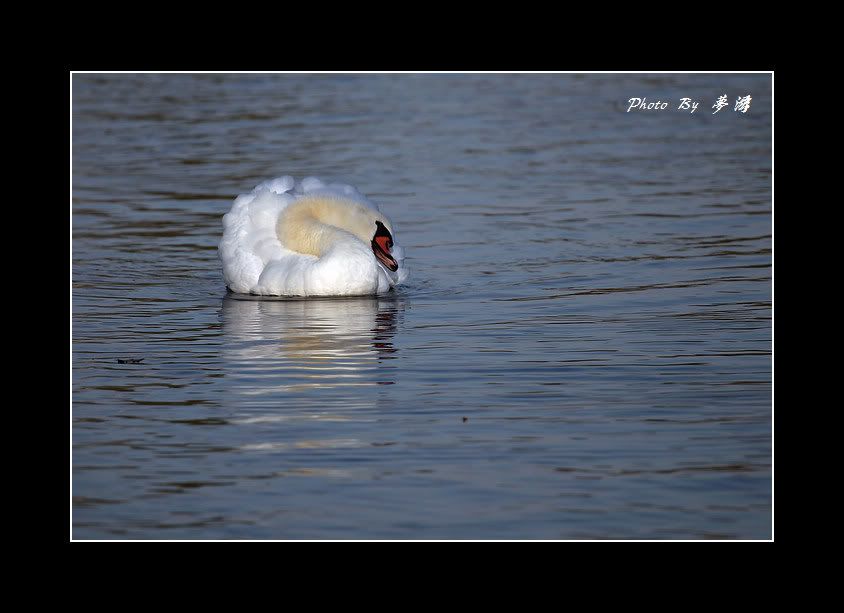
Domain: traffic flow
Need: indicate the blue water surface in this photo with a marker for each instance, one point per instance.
(583, 350)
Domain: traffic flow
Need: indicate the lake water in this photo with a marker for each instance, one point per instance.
(583, 350)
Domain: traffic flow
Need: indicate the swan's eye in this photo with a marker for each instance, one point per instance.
(382, 235)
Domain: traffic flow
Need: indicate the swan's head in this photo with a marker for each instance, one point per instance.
(369, 225)
(382, 246)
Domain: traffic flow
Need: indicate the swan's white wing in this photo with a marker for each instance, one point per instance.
(249, 240)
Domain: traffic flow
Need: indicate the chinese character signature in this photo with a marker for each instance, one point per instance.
(742, 104)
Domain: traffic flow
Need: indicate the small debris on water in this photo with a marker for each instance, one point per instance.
(465, 419)
(130, 360)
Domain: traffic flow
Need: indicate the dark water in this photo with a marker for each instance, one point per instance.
(583, 349)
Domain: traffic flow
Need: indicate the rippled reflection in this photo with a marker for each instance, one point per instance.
(296, 345)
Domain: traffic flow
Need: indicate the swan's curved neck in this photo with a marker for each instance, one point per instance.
(314, 225)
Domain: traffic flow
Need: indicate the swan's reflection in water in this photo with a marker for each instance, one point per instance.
(295, 345)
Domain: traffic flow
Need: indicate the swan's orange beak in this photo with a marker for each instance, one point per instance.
(382, 243)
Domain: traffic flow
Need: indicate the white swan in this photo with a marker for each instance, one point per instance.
(309, 239)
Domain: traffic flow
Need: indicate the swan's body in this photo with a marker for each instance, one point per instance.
(309, 239)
